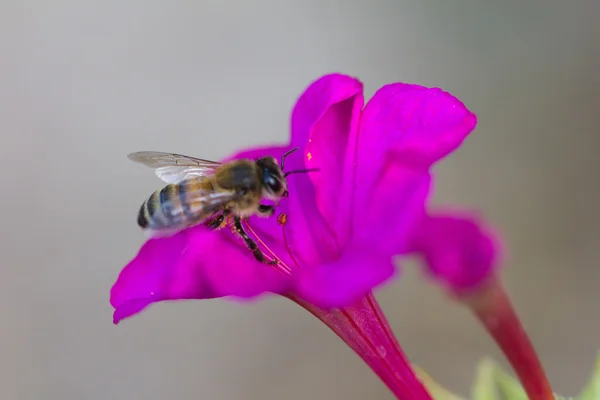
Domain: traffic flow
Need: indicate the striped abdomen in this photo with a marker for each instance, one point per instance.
(177, 205)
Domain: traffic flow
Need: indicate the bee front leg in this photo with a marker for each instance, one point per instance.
(265, 211)
(258, 254)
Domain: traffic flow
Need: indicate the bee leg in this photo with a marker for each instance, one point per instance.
(258, 254)
(265, 211)
(217, 222)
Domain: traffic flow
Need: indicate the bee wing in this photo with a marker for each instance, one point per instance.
(172, 174)
(173, 168)
(173, 215)
(155, 159)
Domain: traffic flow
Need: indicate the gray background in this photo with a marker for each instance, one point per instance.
(83, 83)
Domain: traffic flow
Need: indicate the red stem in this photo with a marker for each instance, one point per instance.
(364, 328)
(493, 308)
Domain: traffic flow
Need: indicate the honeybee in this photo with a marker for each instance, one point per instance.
(209, 192)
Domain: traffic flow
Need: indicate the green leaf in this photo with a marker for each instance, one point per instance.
(493, 383)
(509, 387)
(437, 391)
(592, 390)
(484, 385)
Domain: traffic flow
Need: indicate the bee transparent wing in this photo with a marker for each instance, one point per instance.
(173, 215)
(172, 174)
(156, 159)
(173, 168)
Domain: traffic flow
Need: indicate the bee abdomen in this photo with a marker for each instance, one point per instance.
(162, 210)
(142, 219)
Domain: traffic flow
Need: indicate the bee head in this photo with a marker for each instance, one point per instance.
(274, 183)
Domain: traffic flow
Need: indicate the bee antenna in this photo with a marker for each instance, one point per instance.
(287, 154)
(300, 171)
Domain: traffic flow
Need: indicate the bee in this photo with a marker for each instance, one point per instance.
(209, 192)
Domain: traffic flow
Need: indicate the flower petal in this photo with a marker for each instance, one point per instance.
(458, 250)
(346, 280)
(310, 237)
(316, 100)
(324, 120)
(410, 124)
(395, 207)
(193, 264)
(384, 227)
(310, 240)
(403, 130)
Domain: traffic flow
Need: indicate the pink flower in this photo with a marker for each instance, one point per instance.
(459, 250)
(343, 224)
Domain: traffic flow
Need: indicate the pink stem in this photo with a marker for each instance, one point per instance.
(493, 308)
(365, 329)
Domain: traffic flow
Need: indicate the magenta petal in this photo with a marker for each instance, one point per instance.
(458, 249)
(316, 101)
(193, 264)
(325, 121)
(346, 280)
(403, 130)
(141, 282)
(393, 209)
(309, 237)
(409, 124)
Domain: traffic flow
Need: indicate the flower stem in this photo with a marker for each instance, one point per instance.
(493, 308)
(364, 328)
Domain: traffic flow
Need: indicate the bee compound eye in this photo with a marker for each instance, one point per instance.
(274, 185)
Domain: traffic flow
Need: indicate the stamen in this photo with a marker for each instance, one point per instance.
(282, 222)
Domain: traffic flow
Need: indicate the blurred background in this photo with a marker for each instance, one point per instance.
(83, 83)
